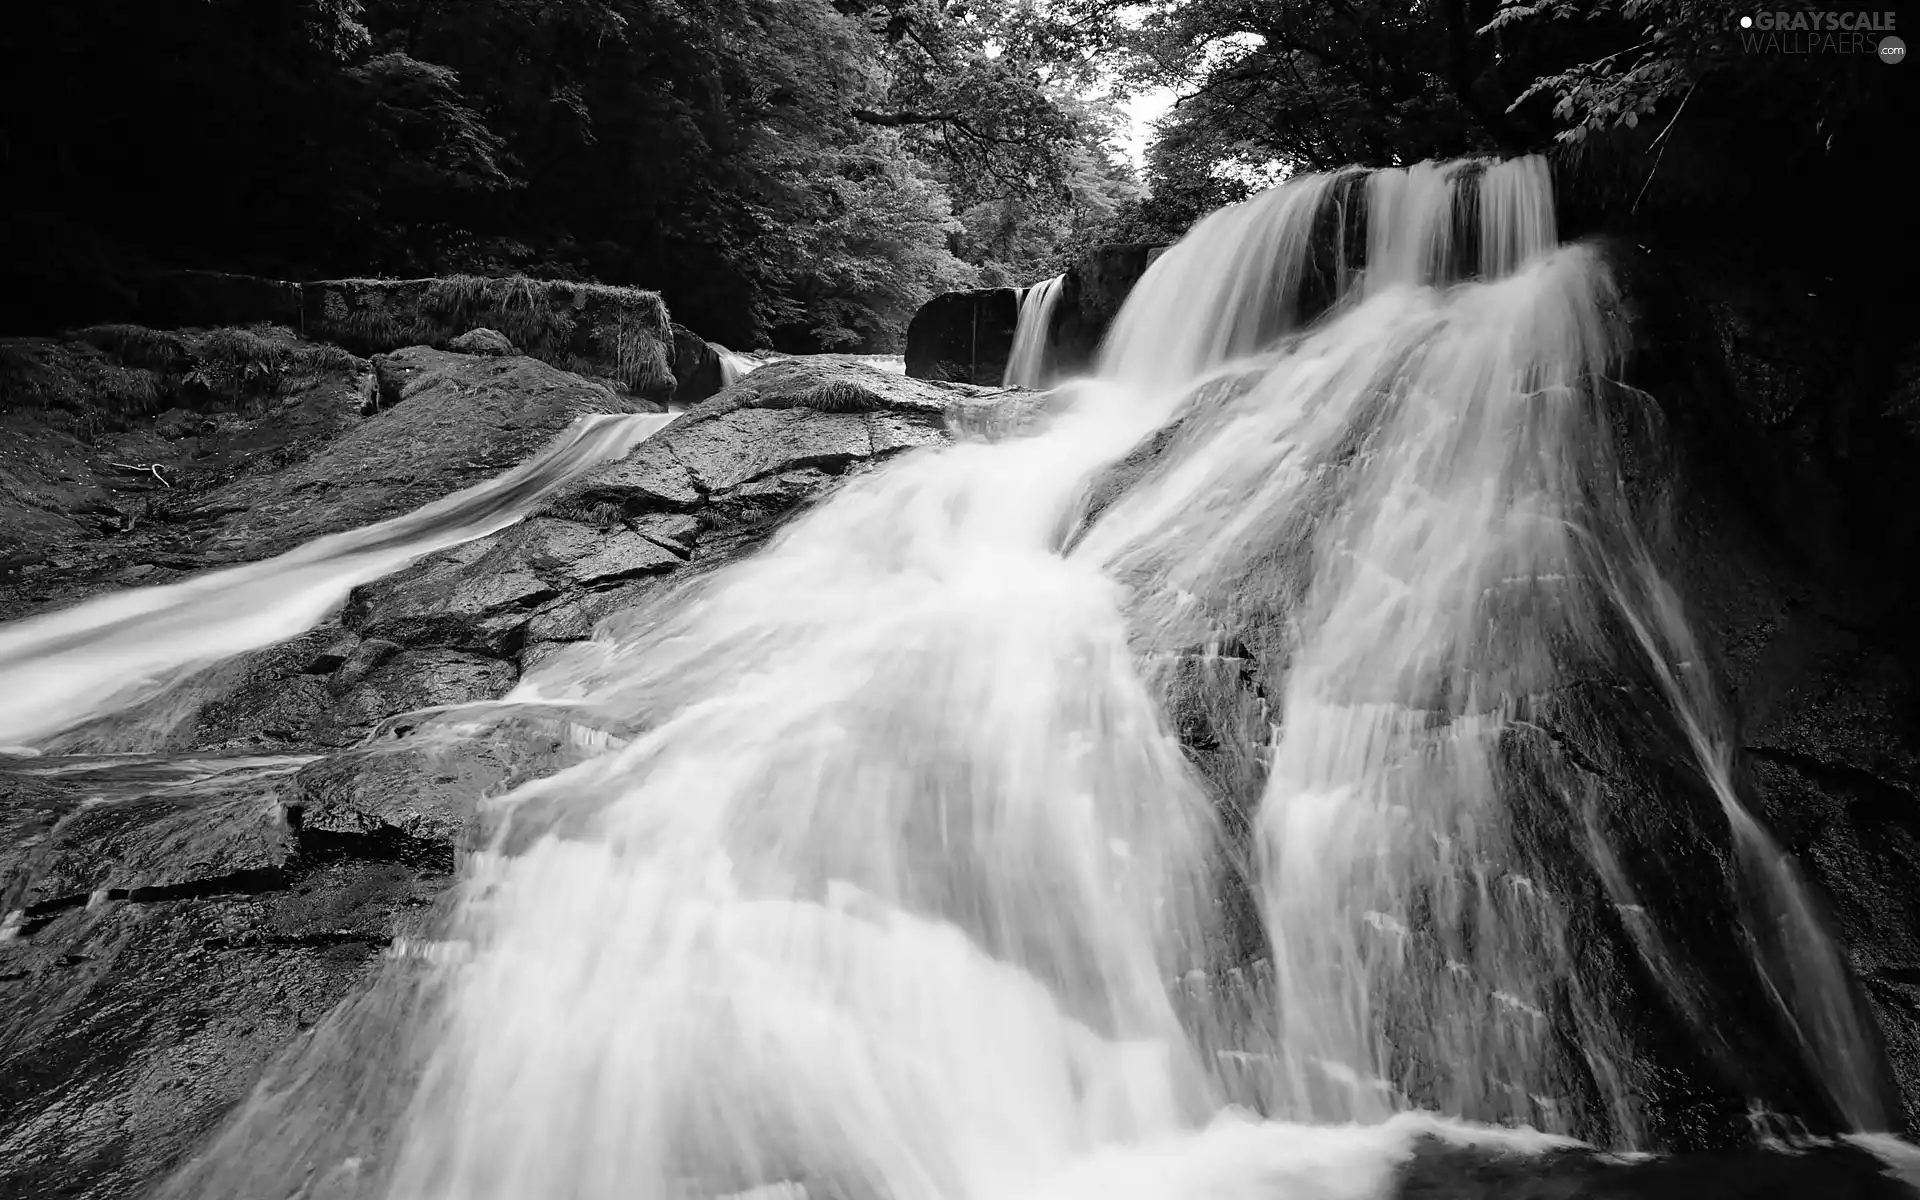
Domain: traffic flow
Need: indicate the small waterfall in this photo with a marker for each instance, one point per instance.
(907, 891)
(112, 652)
(734, 365)
(1030, 363)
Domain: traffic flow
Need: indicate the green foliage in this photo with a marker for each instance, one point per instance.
(1609, 86)
(243, 367)
(1018, 239)
(426, 138)
(643, 141)
(138, 346)
(76, 379)
(1683, 41)
(1314, 85)
(868, 248)
(105, 376)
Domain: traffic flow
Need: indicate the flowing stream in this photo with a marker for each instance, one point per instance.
(907, 891)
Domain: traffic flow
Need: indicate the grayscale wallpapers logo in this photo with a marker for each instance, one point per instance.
(1826, 32)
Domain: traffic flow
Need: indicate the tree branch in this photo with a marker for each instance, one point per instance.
(896, 120)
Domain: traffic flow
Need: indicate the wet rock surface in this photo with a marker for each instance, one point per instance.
(169, 931)
(168, 925)
(696, 367)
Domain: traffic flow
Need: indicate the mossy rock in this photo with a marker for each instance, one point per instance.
(587, 328)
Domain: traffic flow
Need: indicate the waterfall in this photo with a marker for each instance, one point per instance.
(734, 365)
(1427, 489)
(1029, 364)
(908, 890)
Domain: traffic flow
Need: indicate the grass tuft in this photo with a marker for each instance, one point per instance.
(138, 346)
(840, 396)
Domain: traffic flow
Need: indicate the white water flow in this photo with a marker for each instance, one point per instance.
(1030, 364)
(734, 365)
(1804, 972)
(107, 654)
(884, 901)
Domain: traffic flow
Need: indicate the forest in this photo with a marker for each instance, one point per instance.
(804, 174)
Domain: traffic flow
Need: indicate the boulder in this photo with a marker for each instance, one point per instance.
(964, 337)
(109, 436)
(697, 371)
(482, 341)
(1095, 287)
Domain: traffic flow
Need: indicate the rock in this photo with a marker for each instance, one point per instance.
(178, 942)
(1438, 1169)
(482, 341)
(422, 782)
(453, 420)
(1090, 298)
(412, 680)
(964, 337)
(206, 299)
(696, 367)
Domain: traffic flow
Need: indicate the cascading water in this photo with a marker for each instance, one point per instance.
(1029, 364)
(885, 900)
(733, 365)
